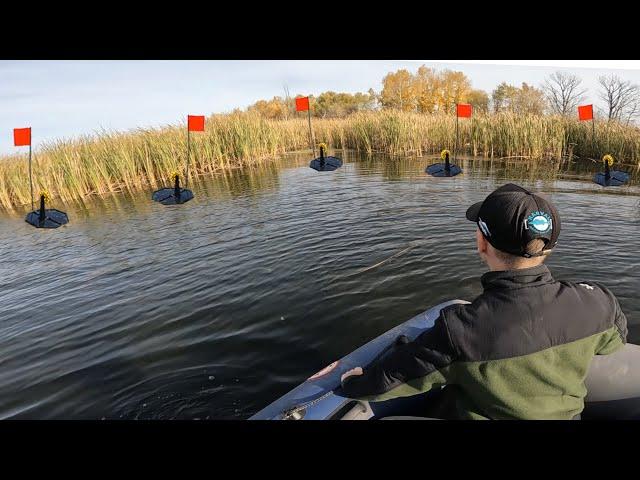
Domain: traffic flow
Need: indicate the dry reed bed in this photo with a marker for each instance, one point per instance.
(113, 162)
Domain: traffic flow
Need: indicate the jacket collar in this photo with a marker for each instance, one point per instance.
(526, 277)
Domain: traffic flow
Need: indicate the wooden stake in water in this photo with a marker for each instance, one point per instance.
(186, 177)
(455, 147)
(473, 147)
(311, 139)
(593, 136)
(30, 180)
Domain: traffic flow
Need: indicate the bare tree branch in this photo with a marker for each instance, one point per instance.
(621, 97)
(563, 92)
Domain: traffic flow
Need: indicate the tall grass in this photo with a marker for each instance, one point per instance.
(114, 162)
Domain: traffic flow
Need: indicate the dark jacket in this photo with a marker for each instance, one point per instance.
(521, 350)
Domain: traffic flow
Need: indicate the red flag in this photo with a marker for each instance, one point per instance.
(21, 136)
(463, 110)
(585, 112)
(302, 104)
(196, 123)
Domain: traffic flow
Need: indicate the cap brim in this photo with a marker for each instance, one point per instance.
(473, 211)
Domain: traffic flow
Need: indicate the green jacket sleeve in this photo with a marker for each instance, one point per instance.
(615, 337)
(410, 369)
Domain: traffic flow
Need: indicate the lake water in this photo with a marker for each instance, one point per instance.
(215, 308)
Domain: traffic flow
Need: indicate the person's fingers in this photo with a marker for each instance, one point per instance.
(353, 371)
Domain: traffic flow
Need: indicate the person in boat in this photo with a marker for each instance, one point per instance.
(522, 349)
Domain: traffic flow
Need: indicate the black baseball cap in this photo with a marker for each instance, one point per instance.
(512, 216)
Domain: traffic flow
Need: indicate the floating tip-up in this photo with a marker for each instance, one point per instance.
(46, 218)
(610, 178)
(324, 163)
(443, 169)
(173, 196)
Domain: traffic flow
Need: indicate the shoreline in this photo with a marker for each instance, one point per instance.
(139, 159)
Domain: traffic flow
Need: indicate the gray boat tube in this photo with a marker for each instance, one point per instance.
(318, 398)
(613, 383)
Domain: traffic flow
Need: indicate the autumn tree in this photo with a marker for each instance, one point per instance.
(564, 92)
(504, 97)
(276, 108)
(526, 99)
(427, 86)
(398, 91)
(454, 88)
(428, 91)
(332, 104)
(479, 99)
(531, 100)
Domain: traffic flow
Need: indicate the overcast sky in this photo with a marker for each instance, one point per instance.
(61, 99)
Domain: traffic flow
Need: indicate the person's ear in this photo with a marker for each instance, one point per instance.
(482, 243)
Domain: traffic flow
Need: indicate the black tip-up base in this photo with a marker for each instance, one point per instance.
(439, 170)
(52, 218)
(167, 196)
(615, 179)
(329, 164)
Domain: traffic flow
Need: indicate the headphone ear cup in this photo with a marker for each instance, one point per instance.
(483, 228)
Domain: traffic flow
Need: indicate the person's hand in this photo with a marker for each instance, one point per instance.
(349, 373)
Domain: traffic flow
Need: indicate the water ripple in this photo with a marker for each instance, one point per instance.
(215, 308)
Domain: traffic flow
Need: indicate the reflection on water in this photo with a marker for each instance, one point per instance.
(266, 177)
(215, 308)
(240, 183)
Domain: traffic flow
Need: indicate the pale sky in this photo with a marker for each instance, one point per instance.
(63, 99)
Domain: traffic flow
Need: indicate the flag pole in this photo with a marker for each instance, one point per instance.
(30, 180)
(186, 176)
(593, 134)
(313, 145)
(455, 147)
(473, 149)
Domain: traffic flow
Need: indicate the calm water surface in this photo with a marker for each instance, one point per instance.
(215, 308)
